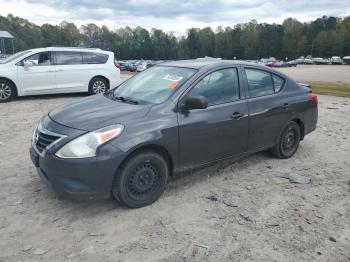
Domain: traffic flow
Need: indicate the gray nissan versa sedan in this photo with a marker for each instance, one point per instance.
(171, 117)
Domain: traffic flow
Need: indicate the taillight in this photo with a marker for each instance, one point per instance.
(313, 97)
(117, 66)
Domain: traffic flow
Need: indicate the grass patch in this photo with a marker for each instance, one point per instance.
(331, 89)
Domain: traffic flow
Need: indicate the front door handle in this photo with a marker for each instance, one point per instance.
(236, 115)
(285, 106)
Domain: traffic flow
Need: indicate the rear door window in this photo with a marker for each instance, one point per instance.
(262, 83)
(68, 58)
(94, 58)
(259, 82)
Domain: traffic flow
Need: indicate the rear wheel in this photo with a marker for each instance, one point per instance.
(98, 85)
(288, 142)
(142, 180)
(7, 91)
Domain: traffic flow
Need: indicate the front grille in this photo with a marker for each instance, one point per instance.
(44, 140)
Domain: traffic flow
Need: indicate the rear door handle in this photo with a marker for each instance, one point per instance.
(236, 115)
(285, 106)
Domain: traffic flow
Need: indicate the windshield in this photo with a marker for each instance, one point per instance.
(14, 57)
(154, 85)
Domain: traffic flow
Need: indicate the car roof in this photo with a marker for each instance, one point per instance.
(79, 49)
(206, 62)
(209, 63)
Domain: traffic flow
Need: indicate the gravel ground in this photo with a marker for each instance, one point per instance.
(337, 74)
(243, 211)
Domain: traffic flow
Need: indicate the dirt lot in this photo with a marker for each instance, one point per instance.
(243, 211)
(338, 74)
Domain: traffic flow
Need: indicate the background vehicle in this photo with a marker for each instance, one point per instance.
(292, 63)
(143, 65)
(336, 60)
(123, 66)
(55, 70)
(320, 61)
(172, 117)
(346, 60)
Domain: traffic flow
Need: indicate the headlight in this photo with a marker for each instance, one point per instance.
(86, 145)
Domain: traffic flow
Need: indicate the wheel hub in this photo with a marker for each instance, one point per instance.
(5, 91)
(143, 180)
(99, 87)
(289, 140)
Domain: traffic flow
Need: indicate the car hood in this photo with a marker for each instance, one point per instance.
(97, 111)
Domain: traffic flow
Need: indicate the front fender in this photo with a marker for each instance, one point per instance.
(161, 131)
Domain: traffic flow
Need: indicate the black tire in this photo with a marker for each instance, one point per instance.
(98, 85)
(288, 141)
(142, 180)
(7, 91)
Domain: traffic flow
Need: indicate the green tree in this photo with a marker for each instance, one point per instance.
(325, 36)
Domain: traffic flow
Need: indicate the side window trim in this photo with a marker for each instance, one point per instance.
(200, 78)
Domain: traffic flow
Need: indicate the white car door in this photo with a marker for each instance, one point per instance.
(71, 74)
(36, 74)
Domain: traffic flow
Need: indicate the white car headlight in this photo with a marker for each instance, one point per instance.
(86, 145)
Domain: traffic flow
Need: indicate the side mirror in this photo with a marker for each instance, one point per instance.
(27, 64)
(195, 102)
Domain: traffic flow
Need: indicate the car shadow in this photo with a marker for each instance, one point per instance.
(52, 96)
(181, 179)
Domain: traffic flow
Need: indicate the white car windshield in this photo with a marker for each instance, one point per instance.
(14, 57)
(154, 85)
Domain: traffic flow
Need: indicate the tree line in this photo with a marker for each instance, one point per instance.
(323, 37)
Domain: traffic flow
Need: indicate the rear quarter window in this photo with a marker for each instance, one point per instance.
(95, 58)
(278, 82)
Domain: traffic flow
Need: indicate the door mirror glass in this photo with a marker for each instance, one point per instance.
(196, 102)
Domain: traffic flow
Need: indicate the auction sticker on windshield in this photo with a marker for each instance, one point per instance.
(173, 78)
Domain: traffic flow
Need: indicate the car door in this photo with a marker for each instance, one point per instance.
(268, 107)
(221, 129)
(36, 74)
(72, 75)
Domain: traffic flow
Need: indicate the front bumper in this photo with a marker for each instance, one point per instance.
(79, 179)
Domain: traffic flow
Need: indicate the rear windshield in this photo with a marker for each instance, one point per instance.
(154, 85)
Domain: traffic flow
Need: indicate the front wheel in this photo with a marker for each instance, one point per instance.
(142, 180)
(288, 142)
(98, 85)
(7, 91)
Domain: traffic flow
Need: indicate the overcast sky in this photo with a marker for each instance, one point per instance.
(171, 15)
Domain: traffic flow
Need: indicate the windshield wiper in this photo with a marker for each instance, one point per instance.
(125, 99)
(110, 94)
